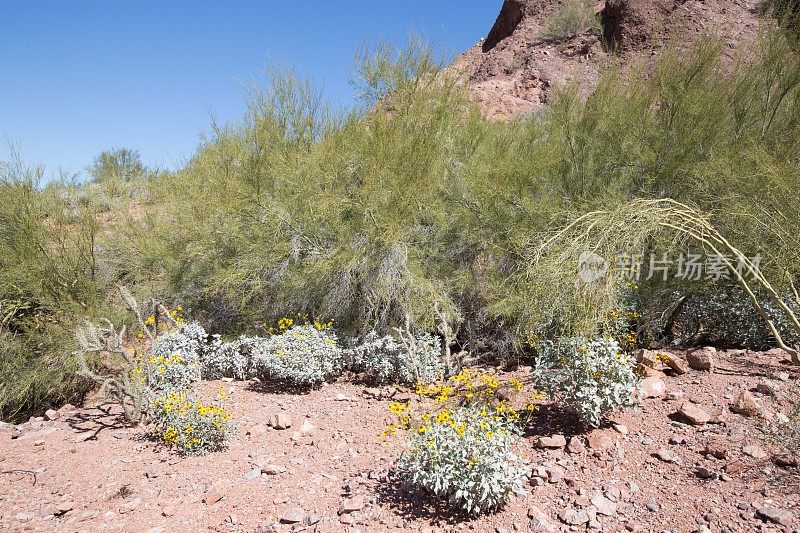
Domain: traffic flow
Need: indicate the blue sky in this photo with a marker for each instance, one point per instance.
(82, 76)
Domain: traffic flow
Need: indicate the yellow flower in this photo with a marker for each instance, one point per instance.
(398, 408)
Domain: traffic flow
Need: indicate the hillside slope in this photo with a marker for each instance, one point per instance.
(515, 68)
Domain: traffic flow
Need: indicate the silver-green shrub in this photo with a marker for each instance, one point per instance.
(593, 377)
(175, 363)
(229, 359)
(783, 430)
(190, 340)
(415, 359)
(191, 426)
(169, 373)
(467, 457)
(725, 315)
(302, 355)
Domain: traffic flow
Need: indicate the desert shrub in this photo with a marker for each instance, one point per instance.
(191, 426)
(411, 360)
(49, 281)
(571, 18)
(303, 355)
(784, 431)
(189, 340)
(722, 315)
(229, 359)
(465, 456)
(462, 448)
(413, 204)
(593, 377)
(169, 373)
(121, 164)
(786, 11)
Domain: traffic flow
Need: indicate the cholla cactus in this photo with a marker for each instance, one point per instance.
(593, 377)
(119, 381)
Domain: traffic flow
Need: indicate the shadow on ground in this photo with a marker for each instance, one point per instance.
(93, 420)
(417, 505)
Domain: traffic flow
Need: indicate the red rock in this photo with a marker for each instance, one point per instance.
(553, 441)
(576, 446)
(716, 449)
(653, 387)
(213, 495)
(693, 414)
(754, 451)
(351, 505)
(678, 365)
(701, 358)
(281, 421)
(734, 467)
(599, 441)
(293, 515)
(65, 507)
(646, 358)
(746, 405)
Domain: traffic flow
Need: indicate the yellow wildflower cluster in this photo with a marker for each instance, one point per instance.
(156, 364)
(621, 324)
(628, 340)
(160, 363)
(193, 426)
(160, 326)
(662, 358)
(137, 374)
(470, 387)
(286, 323)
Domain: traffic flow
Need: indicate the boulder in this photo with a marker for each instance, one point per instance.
(768, 387)
(776, 515)
(678, 365)
(576, 445)
(351, 505)
(599, 441)
(693, 414)
(702, 358)
(755, 451)
(293, 515)
(574, 517)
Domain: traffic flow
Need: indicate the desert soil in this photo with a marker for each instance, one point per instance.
(646, 470)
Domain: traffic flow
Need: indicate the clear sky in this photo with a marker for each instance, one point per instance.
(82, 76)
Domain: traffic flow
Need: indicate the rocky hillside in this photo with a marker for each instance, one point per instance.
(535, 46)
